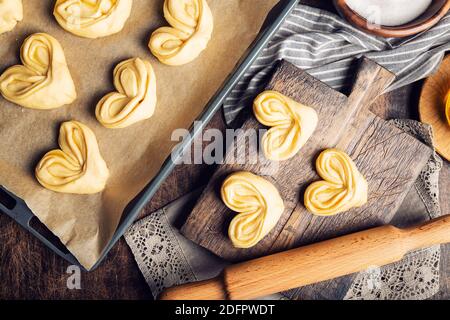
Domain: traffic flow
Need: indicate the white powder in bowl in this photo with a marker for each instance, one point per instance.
(389, 12)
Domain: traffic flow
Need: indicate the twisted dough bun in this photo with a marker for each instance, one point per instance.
(44, 80)
(11, 12)
(135, 100)
(343, 187)
(292, 124)
(192, 27)
(258, 203)
(78, 166)
(92, 18)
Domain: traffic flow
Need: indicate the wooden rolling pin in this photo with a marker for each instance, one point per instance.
(314, 263)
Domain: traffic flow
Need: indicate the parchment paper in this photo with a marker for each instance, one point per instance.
(85, 224)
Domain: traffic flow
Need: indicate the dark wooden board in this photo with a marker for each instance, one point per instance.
(22, 280)
(389, 158)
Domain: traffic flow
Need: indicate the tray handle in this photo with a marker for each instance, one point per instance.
(17, 209)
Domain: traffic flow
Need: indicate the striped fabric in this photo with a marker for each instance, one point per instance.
(327, 47)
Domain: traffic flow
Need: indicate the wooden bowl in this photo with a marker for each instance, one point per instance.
(429, 18)
(432, 107)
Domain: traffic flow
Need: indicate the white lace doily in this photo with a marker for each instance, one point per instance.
(158, 254)
(416, 277)
(427, 185)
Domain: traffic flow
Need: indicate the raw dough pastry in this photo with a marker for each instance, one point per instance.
(11, 12)
(78, 166)
(343, 187)
(44, 80)
(258, 203)
(135, 100)
(92, 18)
(292, 124)
(192, 27)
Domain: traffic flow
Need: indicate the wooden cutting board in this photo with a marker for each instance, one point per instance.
(390, 159)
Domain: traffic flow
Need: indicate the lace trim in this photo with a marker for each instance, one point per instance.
(158, 254)
(416, 277)
(427, 185)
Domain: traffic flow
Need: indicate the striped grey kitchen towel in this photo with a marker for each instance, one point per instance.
(327, 47)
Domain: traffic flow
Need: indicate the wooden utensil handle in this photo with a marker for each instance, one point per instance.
(316, 262)
(436, 231)
(212, 289)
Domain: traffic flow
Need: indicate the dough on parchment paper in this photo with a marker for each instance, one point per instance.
(43, 81)
(135, 98)
(191, 28)
(11, 12)
(92, 18)
(77, 166)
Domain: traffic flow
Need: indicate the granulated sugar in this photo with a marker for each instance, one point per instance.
(389, 12)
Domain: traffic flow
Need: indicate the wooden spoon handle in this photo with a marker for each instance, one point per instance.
(316, 262)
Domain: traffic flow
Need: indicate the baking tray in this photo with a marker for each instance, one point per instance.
(17, 209)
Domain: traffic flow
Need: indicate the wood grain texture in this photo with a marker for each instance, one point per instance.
(30, 271)
(389, 158)
(432, 107)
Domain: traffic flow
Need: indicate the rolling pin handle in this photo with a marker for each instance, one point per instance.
(212, 289)
(319, 262)
(430, 233)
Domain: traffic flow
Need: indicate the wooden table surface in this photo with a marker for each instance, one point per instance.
(28, 270)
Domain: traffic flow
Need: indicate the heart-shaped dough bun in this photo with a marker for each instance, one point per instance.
(258, 203)
(78, 166)
(343, 187)
(44, 80)
(192, 27)
(92, 18)
(292, 124)
(135, 99)
(11, 12)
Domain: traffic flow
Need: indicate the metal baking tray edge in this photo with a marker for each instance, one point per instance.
(17, 209)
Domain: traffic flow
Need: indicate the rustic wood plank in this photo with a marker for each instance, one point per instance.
(24, 281)
(27, 280)
(390, 159)
(208, 222)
